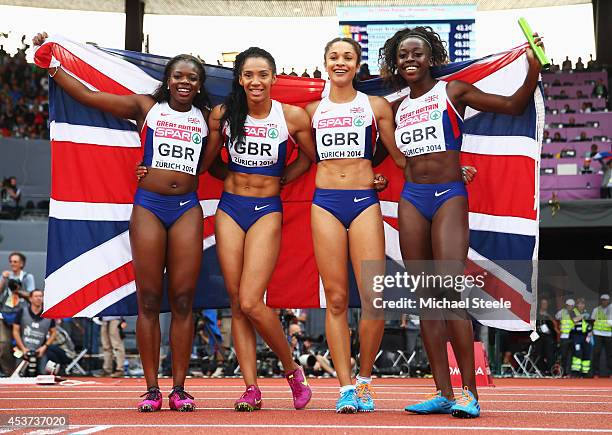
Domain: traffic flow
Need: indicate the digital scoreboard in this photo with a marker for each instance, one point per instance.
(372, 26)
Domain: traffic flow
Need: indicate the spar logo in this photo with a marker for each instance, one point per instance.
(256, 131)
(196, 138)
(173, 133)
(435, 115)
(273, 133)
(358, 122)
(340, 121)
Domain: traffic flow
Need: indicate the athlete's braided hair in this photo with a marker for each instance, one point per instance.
(355, 46)
(201, 100)
(235, 105)
(387, 57)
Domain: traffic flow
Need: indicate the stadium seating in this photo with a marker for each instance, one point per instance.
(562, 162)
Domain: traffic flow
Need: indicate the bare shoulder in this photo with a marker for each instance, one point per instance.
(311, 108)
(377, 101)
(297, 118)
(145, 102)
(379, 104)
(455, 88)
(215, 115)
(291, 110)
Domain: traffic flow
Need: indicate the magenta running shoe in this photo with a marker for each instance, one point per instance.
(299, 387)
(250, 400)
(181, 400)
(152, 401)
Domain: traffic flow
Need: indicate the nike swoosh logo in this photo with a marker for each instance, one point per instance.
(182, 203)
(441, 193)
(355, 199)
(164, 114)
(325, 111)
(257, 208)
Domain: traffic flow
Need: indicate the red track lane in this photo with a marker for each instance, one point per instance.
(514, 406)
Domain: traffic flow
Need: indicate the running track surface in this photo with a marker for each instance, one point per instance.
(107, 406)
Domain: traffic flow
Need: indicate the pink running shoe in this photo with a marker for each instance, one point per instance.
(152, 401)
(181, 400)
(250, 400)
(299, 387)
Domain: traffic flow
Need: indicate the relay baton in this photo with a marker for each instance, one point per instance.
(539, 53)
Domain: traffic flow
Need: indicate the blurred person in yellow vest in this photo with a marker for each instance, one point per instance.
(582, 339)
(602, 334)
(566, 325)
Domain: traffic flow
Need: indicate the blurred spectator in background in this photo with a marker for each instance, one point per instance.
(293, 73)
(606, 180)
(545, 345)
(316, 74)
(592, 65)
(11, 302)
(209, 343)
(10, 196)
(364, 72)
(31, 332)
(62, 350)
(16, 273)
(112, 346)
(583, 137)
(567, 64)
(580, 95)
(586, 166)
(586, 107)
(567, 109)
(557, 138)
(579, 65)
(15, 288)
(411, 323)
(581, 360)
(24, 106)
(305, 73)
(600, 90)
(602, 334)
(593, 151)
(565, 317)
(553, 67)
(562, 95)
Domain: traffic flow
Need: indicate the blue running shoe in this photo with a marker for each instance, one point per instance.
(347, 403)
(365, 393)
(467, 406)
(435, 404)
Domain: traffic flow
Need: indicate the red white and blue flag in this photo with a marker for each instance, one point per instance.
(89, 267)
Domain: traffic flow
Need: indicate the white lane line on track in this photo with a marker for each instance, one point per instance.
(288, 397)
(323, 387)
(91, 430)
(396, 410)
(352, 427)
(284, 390)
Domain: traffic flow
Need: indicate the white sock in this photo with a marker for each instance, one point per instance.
(362, 380)
(346, 388)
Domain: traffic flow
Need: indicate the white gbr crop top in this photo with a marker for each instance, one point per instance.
(345, 130)
(173, 140)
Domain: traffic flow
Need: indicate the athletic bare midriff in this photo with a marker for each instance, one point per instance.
(260, 186)
(345, 174)
(167, 182)
(434, 168)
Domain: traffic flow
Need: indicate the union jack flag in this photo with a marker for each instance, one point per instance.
(89, 268)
